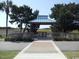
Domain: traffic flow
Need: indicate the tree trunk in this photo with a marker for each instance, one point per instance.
(6, 25)
(24, 29)
(7, 12)
(21, 27)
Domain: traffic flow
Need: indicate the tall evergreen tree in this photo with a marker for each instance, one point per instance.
(65, 14)
(22, 15)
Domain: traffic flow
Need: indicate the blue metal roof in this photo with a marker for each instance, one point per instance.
(42, 19)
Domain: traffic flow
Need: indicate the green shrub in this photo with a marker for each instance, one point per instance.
(28, 39)
(19, 37)
(1, 36)
(65, 39)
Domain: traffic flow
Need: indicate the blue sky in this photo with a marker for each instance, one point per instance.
(42, 5)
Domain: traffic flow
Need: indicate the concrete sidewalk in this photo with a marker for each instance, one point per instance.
(41, 50)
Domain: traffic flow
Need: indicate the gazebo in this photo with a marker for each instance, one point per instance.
(42, 20)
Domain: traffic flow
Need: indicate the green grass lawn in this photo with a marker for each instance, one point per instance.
(8, 54)
(1, 39)
(71, 55)
(44, 30)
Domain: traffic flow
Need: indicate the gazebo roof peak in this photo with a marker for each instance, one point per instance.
(42, 19)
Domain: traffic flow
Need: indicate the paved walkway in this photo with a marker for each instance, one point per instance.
(41, 50)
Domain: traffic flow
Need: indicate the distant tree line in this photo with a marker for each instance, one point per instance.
(66, 16)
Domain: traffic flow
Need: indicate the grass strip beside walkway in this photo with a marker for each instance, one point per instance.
(72, 55)
(8, 54)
